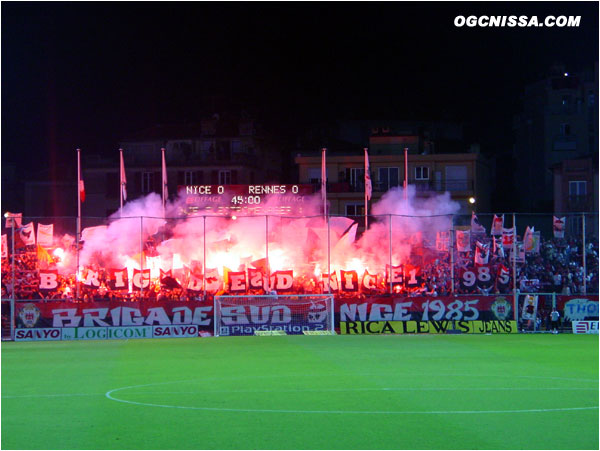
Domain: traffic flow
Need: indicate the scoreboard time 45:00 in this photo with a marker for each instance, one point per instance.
(245, 199)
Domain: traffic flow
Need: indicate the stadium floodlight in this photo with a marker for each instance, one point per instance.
(274, 314)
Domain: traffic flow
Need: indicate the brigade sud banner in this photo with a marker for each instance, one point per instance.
(111, 320)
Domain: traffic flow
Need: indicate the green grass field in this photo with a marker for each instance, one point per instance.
(303, 392)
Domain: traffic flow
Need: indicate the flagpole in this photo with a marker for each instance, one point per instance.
(390, 256)
(12, 304)
(451, 244)
(405, 172)
(367, 176)
(584, 258)
(164, 179)
(13, 259)
(78, 233)
(324, 179)
(204, 257)
(121, 167)
(514, 253)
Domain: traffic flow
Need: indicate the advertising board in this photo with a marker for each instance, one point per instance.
(428, 327)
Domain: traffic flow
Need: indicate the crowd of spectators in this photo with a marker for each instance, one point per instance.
(557, 268)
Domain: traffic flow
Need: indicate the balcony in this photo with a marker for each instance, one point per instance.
(420, 186)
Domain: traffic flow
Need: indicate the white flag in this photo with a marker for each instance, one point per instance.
(93, 233)
(13, 219)
(530, 304)
(482, 253)
(508, 235)
(45, 235)
(528, 239)
(4, 246)
(165, 190)
(498, 248)
(368, 184)
(463, 240)
(558, 225)
(476, 227)
(497, 225)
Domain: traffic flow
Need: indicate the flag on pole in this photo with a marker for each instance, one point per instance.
(482, 253)
(324, 179)
(498, 248)
(81, 190)
(45, 235)
(368, 184)
(508, 235)
(463, 240)
(123, 178)
(44, 258)
(476, 227)
(558, 226)
(497, 225)
(537, 236)
(4, 246)
(528, 239)
(530, 304)
(27, 235)
(13, 219)
(442, 241)
(165, 190)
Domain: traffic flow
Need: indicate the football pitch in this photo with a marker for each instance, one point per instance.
(303, 392)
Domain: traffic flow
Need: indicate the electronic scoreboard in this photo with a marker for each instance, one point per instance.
(243, 200)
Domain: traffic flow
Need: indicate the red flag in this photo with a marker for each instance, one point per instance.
(123, 177)
(81, 191)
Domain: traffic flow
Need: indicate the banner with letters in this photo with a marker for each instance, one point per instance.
(585, 327)
(426, 308)
(106, 320)
(578, 308)
(95, 320)
(428, 327)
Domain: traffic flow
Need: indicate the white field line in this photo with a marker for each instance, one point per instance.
(109, 395)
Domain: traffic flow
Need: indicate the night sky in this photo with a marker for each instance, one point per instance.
(85, 75)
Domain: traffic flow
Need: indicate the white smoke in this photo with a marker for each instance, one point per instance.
(298, 243)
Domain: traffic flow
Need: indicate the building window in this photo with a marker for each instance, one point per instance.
(206, 146)
(224, 150)
(147, 182)
(314, 176)
(357, 177)
(456, 178)
(189, 178)
(388, 178)
(421, 173)
(565, 129)
(355, 209)
(577, 188)
(236, 145)
(224, 177)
